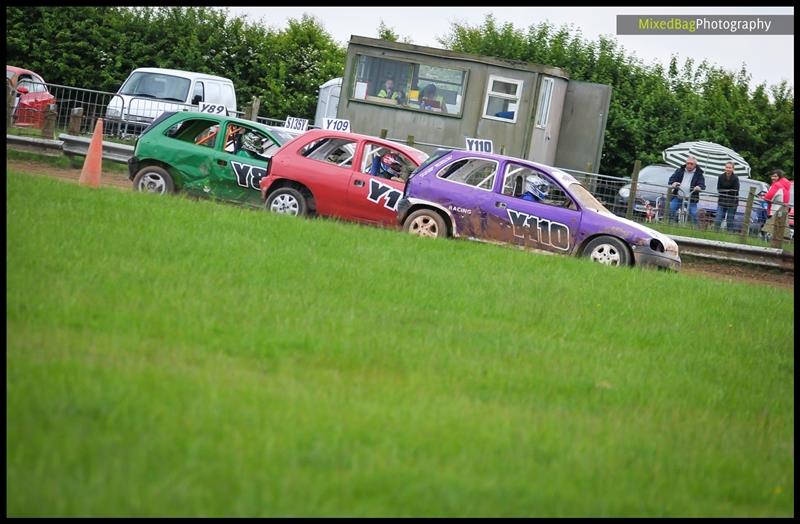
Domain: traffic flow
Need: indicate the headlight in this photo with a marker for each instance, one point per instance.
(624, 192)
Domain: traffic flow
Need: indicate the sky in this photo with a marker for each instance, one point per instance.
(768, 58)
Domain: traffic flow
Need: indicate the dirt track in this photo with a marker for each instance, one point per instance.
(722, 271)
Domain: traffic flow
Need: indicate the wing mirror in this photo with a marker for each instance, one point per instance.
(197, 99)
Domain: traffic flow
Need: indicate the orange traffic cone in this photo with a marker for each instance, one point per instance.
(93, 165)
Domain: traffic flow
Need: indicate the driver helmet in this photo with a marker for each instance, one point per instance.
(536, 185)
(252, 142)
(391, 165)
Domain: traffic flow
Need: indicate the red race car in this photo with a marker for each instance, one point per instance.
(346, 175)
(32, 97)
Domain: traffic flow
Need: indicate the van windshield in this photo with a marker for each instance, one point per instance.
(156, 85)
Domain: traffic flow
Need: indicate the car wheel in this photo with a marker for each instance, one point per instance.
(153, 179)
(607, 250)
(287, 201)
(425, 223)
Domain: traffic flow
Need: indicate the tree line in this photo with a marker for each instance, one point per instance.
(98, 47)
(652, 107)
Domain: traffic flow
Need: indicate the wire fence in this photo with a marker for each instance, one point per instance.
(50, 109)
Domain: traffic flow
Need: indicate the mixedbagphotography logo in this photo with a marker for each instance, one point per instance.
(705, 24)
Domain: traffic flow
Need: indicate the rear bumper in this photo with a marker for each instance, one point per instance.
(402, 209)
(646, 257)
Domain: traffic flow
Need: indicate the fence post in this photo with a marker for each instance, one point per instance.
(632, 195)
(780, 226)
(254, 106)
(748, 210)
(384, 132)
(410, 141)
(10, 95)
(49, 125)
(75, 118)
(666, 208)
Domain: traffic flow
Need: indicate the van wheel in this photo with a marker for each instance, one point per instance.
(287, 201)
(425, 223)
(153, 179)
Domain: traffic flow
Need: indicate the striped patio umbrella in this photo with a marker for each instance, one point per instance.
(710, 156)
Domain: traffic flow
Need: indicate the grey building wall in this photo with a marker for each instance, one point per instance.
(433, 128)
(583, 125)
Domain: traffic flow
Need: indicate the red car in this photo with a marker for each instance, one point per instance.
(32, 97)
(346, 175)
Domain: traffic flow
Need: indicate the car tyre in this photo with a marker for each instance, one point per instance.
(153, 179)
(607, 250)
(287, 201)
(425, 223)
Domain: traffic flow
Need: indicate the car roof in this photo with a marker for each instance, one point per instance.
(219, 118)
(411, 151)
(20, 71)
(177, 72)
(562, 176)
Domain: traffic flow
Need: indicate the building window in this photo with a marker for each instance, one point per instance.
(545, 96)
(409, 85)
(502, 99)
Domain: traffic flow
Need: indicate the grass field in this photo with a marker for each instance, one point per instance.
(173, 357)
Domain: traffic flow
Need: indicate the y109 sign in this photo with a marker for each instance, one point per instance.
(336, 124)
(296, 124)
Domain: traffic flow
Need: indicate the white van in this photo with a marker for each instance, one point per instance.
(149, 91)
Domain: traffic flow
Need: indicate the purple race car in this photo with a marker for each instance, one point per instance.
(502, 199)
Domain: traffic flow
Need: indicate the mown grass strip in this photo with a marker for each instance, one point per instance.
(176, 357)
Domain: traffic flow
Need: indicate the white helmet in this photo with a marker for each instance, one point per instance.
(536, 185)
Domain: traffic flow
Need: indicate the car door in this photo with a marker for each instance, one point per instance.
(240, 160)
(324, 165)
(549, 223)
(188, 147)
(371, 196)
(465, 188)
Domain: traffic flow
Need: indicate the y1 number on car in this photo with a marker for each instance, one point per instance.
(336, 124)
(480, 145)
(214, 109)
(296, 124)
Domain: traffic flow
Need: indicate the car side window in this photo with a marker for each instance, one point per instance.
(247, 142)
(197, 131)
(373, 153)
(476, 172)
(338, 151)
(529, 184)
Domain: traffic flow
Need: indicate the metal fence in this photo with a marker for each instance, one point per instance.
(50, 109)
(670, 210)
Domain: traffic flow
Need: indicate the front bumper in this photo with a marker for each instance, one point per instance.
(133, 167)
(646, 257)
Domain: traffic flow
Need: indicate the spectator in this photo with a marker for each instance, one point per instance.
(689, 178)
(430, 100)
(388, 90)
(777, 196)
(728, 199)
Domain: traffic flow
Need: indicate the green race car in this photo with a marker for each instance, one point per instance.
(204, 154)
